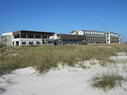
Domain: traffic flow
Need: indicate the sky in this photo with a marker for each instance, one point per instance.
(63, 16)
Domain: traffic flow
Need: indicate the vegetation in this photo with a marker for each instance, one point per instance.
(107, 82)
(125, 43)
(45, 57)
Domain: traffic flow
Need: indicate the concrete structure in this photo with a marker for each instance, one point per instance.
(1, 44)
(25, 38)
(69, 39)
(99, 36)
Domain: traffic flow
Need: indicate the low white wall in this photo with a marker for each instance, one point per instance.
(26, 40)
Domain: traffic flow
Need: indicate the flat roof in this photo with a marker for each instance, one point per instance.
(34, 31)
(94, 31)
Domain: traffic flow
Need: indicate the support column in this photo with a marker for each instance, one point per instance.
(14, 43)
(120, 40)
(20, 43)
(26, 36)
(20, 35)
(41, 40)
(47, 39)
(109, 38)
(106, 38)
(34, 42)
(27, 43)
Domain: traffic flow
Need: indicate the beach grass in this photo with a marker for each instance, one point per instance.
(45, 57)
(107, 82)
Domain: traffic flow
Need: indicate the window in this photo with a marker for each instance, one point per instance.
(31, 42)
(16, 36)
(24, 42)
(37, 36)
(30, 36)
(23, 36)
(38, 42)
(44, 36)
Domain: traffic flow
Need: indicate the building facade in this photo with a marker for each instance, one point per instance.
(69, 39)
(98, 36)
(25, 38)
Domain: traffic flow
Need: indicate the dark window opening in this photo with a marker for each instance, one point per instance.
(16, 36)
(30, 36)
(38, 42)
(31, 43)
(37, 36)
(44, 36)
(23, 42)
(23, 36)
(17, 43)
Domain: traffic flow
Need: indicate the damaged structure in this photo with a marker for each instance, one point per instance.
(69, 39)
(27, 38)
(99, 36)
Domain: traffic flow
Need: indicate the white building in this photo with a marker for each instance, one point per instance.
(98, 36)
(25, 38)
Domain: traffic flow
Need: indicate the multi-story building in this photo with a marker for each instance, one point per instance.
(98, 36)
(69, 39)
(25, 38)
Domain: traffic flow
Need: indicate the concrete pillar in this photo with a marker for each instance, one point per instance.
(106, 38)
(20, 35)
(47, 39)
(35, 42)
(20, 43)
(109, 38)
(120, 39)
(41, 40)
(14, 43)
(27, 43)
(26, 36)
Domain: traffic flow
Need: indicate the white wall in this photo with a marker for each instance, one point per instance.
(9, 36)
(9, 33)
(27, 40)
(80, 33)
(55, 37)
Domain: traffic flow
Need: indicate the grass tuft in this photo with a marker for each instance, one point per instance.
(107, 82)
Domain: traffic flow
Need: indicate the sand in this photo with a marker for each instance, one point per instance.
(61, 81)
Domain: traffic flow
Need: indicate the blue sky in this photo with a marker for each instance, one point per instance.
(63, 16)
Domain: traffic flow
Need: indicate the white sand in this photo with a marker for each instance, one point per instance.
(65, 81)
